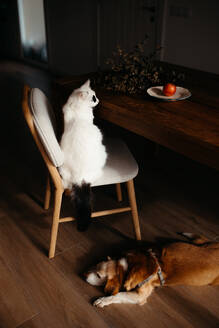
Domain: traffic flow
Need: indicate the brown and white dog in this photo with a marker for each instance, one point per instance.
(138, 273)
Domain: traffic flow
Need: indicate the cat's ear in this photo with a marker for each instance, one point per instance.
(86, 84)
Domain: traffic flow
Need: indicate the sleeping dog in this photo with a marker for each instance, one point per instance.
(139, 272)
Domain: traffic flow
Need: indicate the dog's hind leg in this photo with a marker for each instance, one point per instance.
(201, 240)
(135, 297)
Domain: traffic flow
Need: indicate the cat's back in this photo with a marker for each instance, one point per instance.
(81, 130)
(84, 153)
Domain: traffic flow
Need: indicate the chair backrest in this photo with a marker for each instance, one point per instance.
(44, 121)
(37, 113)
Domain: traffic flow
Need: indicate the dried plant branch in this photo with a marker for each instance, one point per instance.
(133, 72)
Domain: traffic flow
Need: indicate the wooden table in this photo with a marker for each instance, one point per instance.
(189, 127)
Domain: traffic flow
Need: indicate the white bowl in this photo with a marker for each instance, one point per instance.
(180, 94)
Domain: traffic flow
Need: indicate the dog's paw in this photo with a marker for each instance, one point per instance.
(127, 285)
(103, 301)
(131, 282)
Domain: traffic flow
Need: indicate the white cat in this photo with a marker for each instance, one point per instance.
(84, 153)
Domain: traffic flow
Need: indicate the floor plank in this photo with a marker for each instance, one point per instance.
(50, 291)
(16, 303)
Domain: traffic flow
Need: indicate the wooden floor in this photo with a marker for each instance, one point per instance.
(174, 195)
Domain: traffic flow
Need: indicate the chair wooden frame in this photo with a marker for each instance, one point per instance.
(58, 187)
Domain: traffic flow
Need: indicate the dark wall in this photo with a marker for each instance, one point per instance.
(187, 30)
(9, 30)
(191, 34)
(72, 32)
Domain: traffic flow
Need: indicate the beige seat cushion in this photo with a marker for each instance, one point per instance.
(44, 122)
(120, 166)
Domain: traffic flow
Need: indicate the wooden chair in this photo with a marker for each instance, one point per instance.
(35, 126)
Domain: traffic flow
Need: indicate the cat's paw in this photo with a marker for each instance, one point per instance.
(103, 301)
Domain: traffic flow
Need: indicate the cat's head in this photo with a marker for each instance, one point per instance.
(86, 95)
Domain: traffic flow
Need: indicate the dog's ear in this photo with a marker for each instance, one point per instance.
(141, 268)
(120, 274)
(114, 284)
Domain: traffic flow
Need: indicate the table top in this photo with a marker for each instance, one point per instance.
(190, 126)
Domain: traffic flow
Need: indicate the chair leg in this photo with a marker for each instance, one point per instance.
(132, 200)
(119, 192)
(55, 223)
(47, 194)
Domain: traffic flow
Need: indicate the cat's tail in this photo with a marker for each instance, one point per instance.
(81, 195)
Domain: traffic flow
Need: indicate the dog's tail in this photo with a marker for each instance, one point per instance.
(81, 196)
